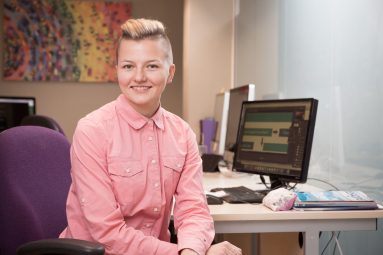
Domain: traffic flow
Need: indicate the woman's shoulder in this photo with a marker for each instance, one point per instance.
(174, 118)
(99, 117)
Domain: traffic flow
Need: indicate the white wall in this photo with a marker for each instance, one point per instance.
(256, 45)
(331, 50)
(208, 56)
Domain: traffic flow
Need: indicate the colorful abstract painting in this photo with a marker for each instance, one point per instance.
(61, 40)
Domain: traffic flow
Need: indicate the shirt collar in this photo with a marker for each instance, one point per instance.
(136, 119)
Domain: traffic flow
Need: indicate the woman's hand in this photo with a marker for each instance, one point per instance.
(224, 248)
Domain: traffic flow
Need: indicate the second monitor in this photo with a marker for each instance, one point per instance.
(275, 139)
(236, 97)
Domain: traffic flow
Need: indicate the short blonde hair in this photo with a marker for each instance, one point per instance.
(140, 29)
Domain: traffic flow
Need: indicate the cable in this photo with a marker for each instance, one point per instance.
(289, 187)
(328, 243)
(320, 180)
(338, 245)
(335, 246)
(264, 181)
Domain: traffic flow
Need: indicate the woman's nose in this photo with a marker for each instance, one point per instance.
(140, 75)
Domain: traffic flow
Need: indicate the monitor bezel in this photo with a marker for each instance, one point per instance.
(223, 112)
(250, 92)
(302, 178)
(21, 98)
(13, 100)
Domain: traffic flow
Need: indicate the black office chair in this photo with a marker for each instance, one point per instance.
(34, 183)
(42, 121)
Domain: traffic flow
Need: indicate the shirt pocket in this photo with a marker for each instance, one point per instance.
(128, 180)
(173, 166)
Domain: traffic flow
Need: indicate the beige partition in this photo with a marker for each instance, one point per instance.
(208, 56)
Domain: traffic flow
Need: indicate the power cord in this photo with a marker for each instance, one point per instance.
(328, 243)
(333, 233)
(320, 180)
(338, 245)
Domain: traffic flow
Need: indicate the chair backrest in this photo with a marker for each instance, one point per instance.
(34, 183)
(43, 121)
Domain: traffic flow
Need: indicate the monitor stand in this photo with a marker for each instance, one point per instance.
(276, 183)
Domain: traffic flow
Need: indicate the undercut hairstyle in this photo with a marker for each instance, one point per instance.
(140, 29)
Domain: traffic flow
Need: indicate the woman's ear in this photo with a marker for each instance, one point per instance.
(172, 70)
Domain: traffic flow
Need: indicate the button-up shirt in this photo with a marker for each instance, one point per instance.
(126, 172)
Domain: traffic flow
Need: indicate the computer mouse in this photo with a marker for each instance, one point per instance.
(213, 200)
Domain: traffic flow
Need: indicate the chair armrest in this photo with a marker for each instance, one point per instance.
(61, 246)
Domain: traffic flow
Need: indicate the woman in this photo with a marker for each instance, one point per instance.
(131, 158)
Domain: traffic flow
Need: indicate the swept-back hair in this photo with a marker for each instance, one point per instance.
(140, 29)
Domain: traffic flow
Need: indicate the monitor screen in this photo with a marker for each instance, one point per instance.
(275, 138)
(236, 97)
(14, 109)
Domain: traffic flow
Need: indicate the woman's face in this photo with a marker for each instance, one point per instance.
(143, 73)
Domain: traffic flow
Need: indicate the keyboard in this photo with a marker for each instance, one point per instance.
(242, 194)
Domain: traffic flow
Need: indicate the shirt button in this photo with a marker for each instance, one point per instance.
(155, 209)
(154, 161)
(178, 165)
(127, 170)
(156, 184)
(148, 225)
(150, 138)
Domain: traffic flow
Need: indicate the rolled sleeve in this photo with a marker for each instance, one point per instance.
(194, 224)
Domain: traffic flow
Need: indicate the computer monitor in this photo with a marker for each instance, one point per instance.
(275, 138)
(14, 109)
(221, 108)
(236, 97)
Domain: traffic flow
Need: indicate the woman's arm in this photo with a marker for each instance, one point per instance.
(194, 225)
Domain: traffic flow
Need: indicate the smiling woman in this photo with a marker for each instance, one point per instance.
(144, 64)
(143, 73)
(131, 159)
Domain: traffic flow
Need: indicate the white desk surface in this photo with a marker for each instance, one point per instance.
(244, 212)
(256, 218)
(259, 212)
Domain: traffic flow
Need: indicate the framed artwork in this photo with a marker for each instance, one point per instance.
(61, 40)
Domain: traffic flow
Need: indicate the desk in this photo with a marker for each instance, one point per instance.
(251, 218)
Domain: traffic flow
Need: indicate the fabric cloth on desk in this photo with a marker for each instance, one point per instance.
(279, 199)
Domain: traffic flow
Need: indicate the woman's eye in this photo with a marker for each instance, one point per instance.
(152, 66)
(127, 67)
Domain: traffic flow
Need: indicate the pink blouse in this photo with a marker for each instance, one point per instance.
(127, 170)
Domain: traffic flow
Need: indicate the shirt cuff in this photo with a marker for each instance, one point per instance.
(198, 245)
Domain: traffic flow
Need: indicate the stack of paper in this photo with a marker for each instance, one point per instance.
(334, 200)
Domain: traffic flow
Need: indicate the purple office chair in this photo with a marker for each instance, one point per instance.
(34, 183)
(43, 121)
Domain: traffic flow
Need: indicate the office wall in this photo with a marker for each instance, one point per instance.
(67, 102)
(331, 51)
(256, 45)
(208, 56)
